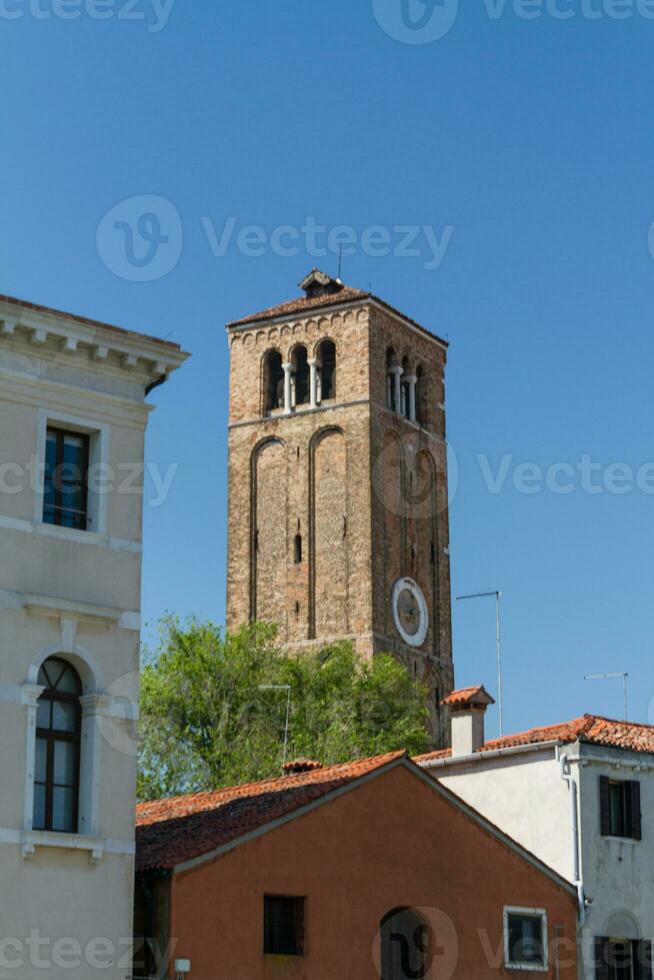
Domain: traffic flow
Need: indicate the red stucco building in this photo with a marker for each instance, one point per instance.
(353, 872)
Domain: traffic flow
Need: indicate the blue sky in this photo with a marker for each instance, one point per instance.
(526, 142)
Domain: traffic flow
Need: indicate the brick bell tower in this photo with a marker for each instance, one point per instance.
(338, 506)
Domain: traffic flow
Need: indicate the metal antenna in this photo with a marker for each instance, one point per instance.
(497, 595)
(287, 688)
(340, 261)
(625, 681)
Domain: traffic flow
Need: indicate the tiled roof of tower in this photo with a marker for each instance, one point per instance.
(592, 729)
(171, 831)
(307, 304)
(50, 311)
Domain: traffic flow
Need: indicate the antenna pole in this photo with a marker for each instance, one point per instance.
(625, 682)
(287, 688)
(497, 595)
(340, 260)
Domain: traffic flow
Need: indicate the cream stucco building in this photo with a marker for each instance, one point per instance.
(580, 796)
(72, 424)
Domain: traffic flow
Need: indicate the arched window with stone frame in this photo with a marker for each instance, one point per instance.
(58, 745)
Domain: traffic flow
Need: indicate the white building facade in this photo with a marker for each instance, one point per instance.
(581, 797)
(72, 425)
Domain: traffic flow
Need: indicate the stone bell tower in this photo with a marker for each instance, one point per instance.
(338, 507)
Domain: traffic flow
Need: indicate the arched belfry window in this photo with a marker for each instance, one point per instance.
(301, 372)
(273, 382)
(405, 394)
(326, 362)
(391, 365)
(58, 737)
(420, 395)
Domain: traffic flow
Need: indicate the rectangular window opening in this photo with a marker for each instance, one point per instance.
(283, 925)
(620, 808)
(525, 936)
(65, 490)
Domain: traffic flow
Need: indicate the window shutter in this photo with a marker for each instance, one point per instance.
(636, 815)
(605, 806)
(602, 957)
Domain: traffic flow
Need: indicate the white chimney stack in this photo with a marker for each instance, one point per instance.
(467, 710)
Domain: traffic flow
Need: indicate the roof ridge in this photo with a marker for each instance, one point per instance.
(313, 777)
(622, 721)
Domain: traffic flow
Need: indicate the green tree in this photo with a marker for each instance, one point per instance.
(213, 707)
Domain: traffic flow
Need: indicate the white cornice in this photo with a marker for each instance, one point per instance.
(135, 353)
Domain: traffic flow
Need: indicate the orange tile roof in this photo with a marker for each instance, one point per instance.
(172, 831)
(468, 695)
(304, 303)
(307, 304)
(592, 729)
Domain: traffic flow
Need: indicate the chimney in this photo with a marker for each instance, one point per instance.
(300, 766)
(318, 283)
(467, 710)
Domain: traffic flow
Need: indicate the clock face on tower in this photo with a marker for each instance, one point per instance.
(410, 612)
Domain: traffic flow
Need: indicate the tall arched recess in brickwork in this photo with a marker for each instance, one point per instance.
(423, 504)
(393, 493)
(330, 535)
(269, 535)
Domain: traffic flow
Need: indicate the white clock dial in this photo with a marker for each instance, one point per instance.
(410, 612)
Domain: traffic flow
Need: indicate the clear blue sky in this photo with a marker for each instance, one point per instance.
(532, 139)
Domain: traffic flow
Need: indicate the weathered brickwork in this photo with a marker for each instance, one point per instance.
(330, 505)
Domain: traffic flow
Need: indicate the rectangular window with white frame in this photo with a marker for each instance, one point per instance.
(525, 939)
(72, 457)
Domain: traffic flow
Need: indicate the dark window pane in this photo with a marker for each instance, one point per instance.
(65, 763)
(38, 822)
(43, 714)
(65, 483)
(63, 809)
(64, 716)
(49, 514)
(68, 682)
(283, 926)
(526, 939)
(41, 761)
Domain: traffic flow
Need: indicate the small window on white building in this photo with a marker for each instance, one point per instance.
(73, 464)
(620, 808)
(65, 490)
(525, 939)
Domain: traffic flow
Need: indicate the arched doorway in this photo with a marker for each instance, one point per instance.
(406, 946)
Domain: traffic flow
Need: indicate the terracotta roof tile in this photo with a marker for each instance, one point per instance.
(305, 304)
(592, 729)
(468, 695)
(171, 831)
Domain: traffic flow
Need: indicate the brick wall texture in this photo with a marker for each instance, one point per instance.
(352, 488)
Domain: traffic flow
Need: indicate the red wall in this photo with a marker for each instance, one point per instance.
(392, 842)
